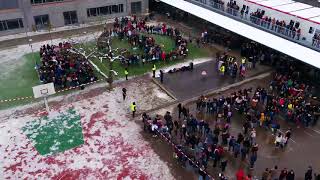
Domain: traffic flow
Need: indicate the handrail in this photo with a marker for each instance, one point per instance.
(246, 18)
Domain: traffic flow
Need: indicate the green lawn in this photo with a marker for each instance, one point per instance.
(19, 82)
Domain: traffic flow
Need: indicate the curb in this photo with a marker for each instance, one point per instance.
(154, 80)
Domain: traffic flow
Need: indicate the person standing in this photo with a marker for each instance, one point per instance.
(179, 110)
(124, 93)
(222, 69)
(283, 174)
(308, 174)
(265, 174)
(288, 135)
(133, 108)
(154, 68)
(161, 76)
(240, 174)
(290, 175)
(126, 73)
(223, 164)
(253, 159)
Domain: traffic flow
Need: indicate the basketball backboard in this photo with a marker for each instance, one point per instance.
(43, 90)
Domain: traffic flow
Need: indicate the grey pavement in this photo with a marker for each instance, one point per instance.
(188, 84)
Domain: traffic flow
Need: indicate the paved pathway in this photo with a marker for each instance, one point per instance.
(188, 84)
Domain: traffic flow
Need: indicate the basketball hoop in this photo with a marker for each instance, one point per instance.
(43, 91)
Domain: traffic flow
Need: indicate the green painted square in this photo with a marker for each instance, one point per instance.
(52, 135)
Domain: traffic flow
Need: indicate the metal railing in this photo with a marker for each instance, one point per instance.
(259, 23)
(316, 43)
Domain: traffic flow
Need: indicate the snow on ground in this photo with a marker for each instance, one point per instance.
(59, 29)
(113, 146)
(11, 58)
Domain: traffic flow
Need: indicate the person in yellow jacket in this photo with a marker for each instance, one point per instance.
(222, 69)
(126, 73)
(262, 119)
(243, 61)
(290, 106)
(133, 108)
(154, 68)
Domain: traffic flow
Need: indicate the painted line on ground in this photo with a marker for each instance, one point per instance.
(316, 131)
(308, 133)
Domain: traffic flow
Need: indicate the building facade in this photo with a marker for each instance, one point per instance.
(17, 16)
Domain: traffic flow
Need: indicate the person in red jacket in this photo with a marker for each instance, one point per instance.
(163, 55)
(240, 174)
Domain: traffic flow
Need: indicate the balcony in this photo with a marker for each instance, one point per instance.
(251, 28)
(267, 26)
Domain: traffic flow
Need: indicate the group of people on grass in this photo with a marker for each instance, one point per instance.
(62, 67)
(139, 35)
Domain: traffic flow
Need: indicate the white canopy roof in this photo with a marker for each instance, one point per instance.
(316, 19)
(307, 13)
(258, 0)
(293, 7)
(285, 46)
(272, 3)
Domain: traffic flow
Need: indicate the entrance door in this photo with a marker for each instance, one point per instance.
(42, 21)
(70, 17)
(136, 7)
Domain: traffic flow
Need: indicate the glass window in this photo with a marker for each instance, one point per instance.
(121, 8)
(104, 10)
(115, 9)
(42, 21)
(136, 7)
(44, 1)
(92, 12)
(14, 23)
(20, 23)
(70, 17)
(2, 26)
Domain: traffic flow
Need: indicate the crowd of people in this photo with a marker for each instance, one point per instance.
(316, 40)
(280, 26)
(139, 35)
(202, 143)
(258, 17)
(228, 65)
(285, 174)
(286, 99)
(63, 67)
(233, 8)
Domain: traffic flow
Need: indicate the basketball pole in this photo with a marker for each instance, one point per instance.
(46, 103)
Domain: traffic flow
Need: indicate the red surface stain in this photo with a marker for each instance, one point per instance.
(15, 167)
(69, 174)
(124, 155)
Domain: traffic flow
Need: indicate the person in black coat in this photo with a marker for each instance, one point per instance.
(308, 174)
(290, 175)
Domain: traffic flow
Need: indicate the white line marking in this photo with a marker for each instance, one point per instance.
(293, 141)
(317, 131)
(308, 133)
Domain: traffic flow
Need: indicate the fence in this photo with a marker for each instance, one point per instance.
(259, 23)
